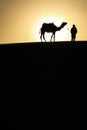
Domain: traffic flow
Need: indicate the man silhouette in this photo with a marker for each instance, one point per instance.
(73, 33)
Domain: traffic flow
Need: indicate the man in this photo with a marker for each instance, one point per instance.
(73, 33)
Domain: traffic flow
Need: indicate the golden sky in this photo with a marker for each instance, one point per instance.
(20, 20)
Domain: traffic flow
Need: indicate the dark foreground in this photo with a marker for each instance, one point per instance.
(19, 61)
(8, 120)
(46, 58)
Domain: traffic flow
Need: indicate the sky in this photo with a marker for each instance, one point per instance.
(21, 20)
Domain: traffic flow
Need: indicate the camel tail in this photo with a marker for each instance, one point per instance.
(40, 31)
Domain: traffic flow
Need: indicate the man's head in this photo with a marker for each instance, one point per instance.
(73, 25)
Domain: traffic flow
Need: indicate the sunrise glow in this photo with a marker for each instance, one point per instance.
(60, 35)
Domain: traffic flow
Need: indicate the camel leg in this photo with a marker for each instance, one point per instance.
(51, 37)
(41, 37)
(54, 37)
(44, 37)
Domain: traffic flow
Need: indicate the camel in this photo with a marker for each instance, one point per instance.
(50, 28)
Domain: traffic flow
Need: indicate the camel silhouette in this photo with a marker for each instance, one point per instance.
(50, 28)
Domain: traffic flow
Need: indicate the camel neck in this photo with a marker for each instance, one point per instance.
(61, 26)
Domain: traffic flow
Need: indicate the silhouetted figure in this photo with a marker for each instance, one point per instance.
(50, 27)
(73, 33)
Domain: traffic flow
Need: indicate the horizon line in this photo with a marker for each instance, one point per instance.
(40, 42)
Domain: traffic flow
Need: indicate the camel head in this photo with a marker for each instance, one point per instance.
(63, 24)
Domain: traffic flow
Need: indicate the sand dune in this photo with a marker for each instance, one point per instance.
(47, 58)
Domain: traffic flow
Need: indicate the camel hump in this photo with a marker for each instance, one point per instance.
(48, 24)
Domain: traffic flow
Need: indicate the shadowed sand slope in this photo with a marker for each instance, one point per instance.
(46, 58)
(8, 120)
